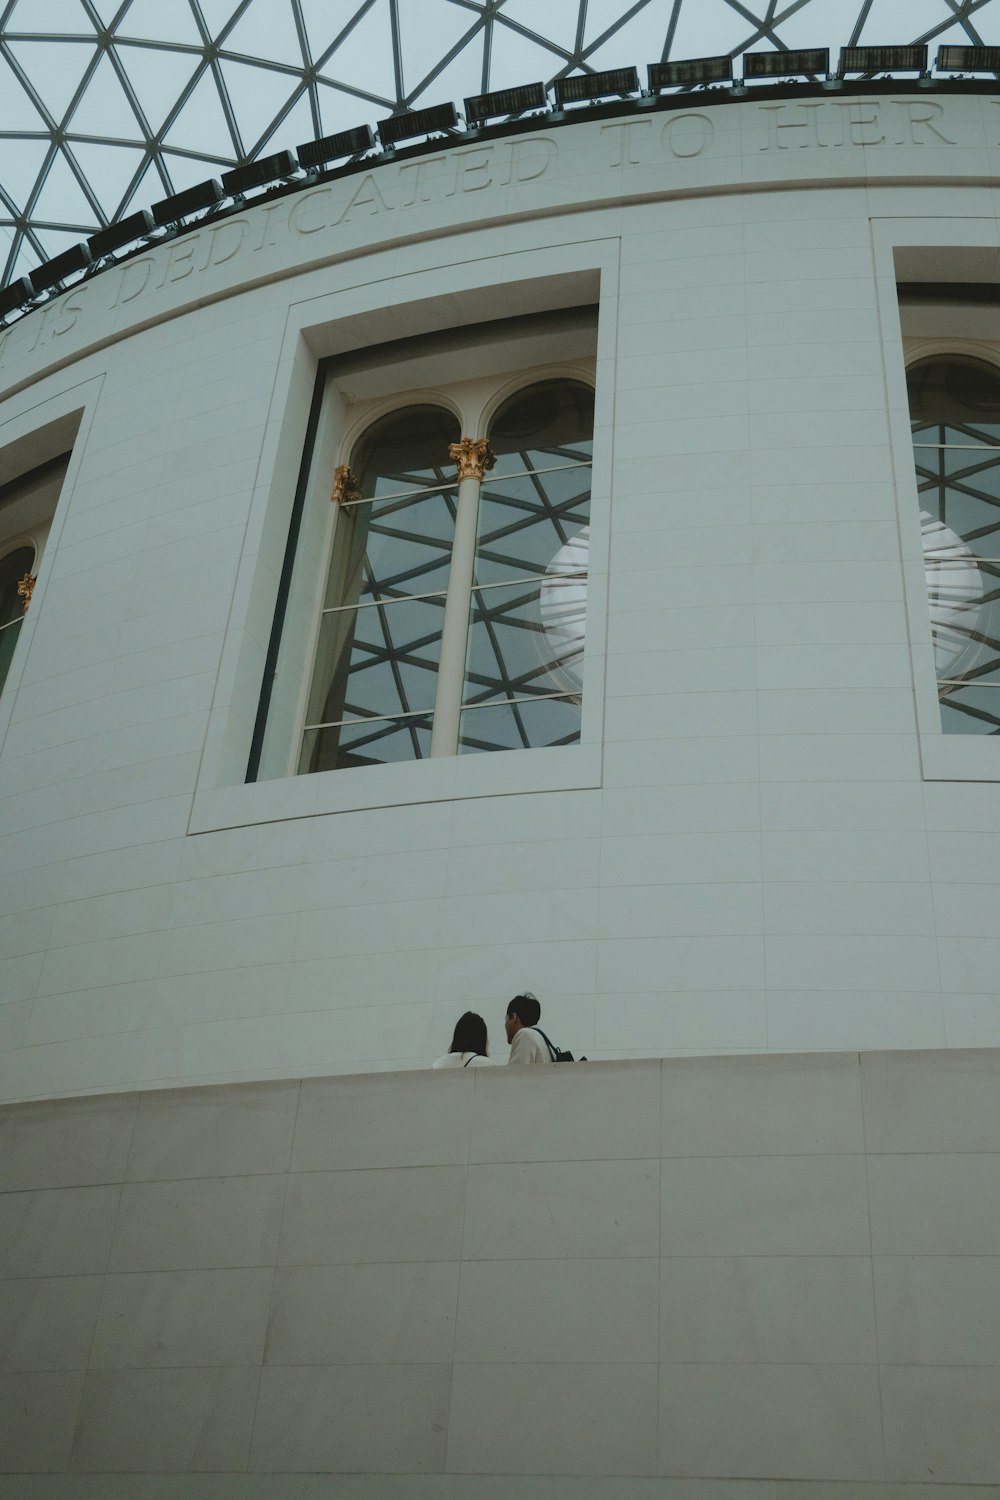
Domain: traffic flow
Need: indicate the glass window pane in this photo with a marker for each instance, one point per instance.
(368, 742)
(520, 726)
(526, 638)
(968, 508)
(964, 597)
(543, 425)
(13, 568)
(526, 523)
(8, 640)
(971, 710)
(392, 548)
(379, 659)
(963, 393)
(407, 450)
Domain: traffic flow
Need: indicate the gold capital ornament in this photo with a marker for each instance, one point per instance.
(346, 488)
(473, 456)
(25, 589)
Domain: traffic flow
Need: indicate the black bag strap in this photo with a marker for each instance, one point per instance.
(471, 1059)
(553, 1051)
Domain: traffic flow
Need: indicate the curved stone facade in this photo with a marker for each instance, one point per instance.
(762, 841)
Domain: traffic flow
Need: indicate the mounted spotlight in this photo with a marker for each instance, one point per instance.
(202, 195)
(580, 88)
(330, 147)
(688, 74)
(882, 60)
(259, 173)
(507, 102)
(968, 60)
(135, 227)
(438, 117)
(14, 296)
(804, 62)
(76, 258)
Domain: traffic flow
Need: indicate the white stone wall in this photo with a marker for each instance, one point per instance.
(754, 849)
(760, 1277)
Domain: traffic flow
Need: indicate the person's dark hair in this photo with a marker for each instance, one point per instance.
(470, 1034)
(526, 1008)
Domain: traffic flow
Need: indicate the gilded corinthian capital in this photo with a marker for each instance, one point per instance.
(345, 487)
(25, 589)
(472, 456)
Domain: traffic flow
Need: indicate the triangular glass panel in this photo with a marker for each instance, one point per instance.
(158, 77)
(55, 18)
(62, 199)
(256, 95)
(461, 77)
(217, 15)
(325, 22)
(340, 111)
(889, 24)
(514, 60)
(267, 30)
(54, 70)
(107, 9)
(364, 57)
(707, 28)
(16, 109)
(296, 127)
(603, 14)
(185, 171)
(109, 170)
(155, 22)
(427, 33)
(149, 189)
(104, 108)
(555, 21)
(634, 45)
(22, 163)
(26, 260)
(821, 23)
(201, 124)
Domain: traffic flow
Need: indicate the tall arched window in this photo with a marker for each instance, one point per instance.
(16, 569)
(955, 415)
(453, 616)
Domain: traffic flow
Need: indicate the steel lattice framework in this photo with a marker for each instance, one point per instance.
(109, 105)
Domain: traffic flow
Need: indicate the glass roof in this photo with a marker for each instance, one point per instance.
(107, 106)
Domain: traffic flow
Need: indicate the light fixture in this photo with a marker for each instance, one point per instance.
(883, 60)
(255, 174)
(330, 147)
(413, 122)
(581, 88)
(114, 236)
(505, 102)
(968, 60)
(76, 258)
(804, 61)
(689, 73)
(179, 205)
(15, 295)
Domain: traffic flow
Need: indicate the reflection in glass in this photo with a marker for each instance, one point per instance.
(379, 640)
(366, 742)
(13, 568)
(527, 620)
(955, 407)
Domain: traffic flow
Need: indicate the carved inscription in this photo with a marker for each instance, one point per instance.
(854, 122)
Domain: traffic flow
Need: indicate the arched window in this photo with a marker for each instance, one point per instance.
(375, 677)
(16, 569)
(955, 415)
(524, 670)
(453, 617)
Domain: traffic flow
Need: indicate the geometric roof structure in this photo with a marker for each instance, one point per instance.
(107, 106)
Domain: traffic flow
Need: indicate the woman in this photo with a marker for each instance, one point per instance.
(468, 1045)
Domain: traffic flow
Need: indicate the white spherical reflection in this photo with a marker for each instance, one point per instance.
(955, 588)
(563, 609)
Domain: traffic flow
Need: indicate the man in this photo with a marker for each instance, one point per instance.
(526, 1045)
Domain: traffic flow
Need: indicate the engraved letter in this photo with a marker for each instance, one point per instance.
(687, 135)
(69, 310)
(365, 195)
(466, 167)
(919, 114)
(138, 283)
(181, 253)
(227, 227)
(775, 126)
(295, 218)
(858, 125)
(627, 151)
(529, 158)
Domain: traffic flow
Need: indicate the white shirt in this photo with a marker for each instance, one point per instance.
(460, 1059)
(528, 1047)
